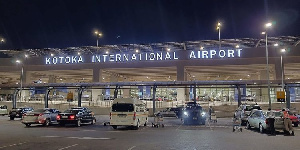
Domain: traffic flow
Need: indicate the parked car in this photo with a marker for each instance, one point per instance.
(258, 120)
(179, 111)
(45, 116)
(293, 118)
(76, 116)
(244, 111)
(168, 112)
(18, 112)
(3, 110)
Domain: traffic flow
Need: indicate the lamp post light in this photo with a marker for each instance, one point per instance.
(268, 25)
(219, 29)
(98, 36)
(2, 40)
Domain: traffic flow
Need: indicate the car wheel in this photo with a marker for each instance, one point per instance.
(93, 121)
(78, 123)
(248, 125)
(295, 124)
(261, 128)
(115, 127)
(27, 124)
(11, 118)
(47, 123)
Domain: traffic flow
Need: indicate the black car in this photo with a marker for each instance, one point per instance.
(194, 114)
(76, 116)
(18, 112)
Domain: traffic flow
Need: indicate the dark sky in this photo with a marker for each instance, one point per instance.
(67, 23)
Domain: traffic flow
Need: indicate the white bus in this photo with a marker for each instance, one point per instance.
(128, 112)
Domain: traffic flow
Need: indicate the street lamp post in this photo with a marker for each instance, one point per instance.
(219, 29)
(21, 78)
(282, 69)
(98, 36)
(268, 25)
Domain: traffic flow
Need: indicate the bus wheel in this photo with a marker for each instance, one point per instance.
(115, 127)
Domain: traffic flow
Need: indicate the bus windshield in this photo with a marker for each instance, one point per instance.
(122, 107)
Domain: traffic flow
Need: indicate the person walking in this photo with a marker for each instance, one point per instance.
(287, 123)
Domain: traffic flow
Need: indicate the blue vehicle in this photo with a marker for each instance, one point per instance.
(193, 114)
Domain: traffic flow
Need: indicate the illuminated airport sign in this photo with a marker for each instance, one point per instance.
(136, 57)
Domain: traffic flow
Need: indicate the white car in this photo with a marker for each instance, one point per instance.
(258, 120)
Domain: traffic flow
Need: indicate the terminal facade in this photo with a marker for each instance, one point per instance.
(236, 60)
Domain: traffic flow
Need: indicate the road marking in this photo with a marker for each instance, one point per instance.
(131, 147)
(68, 147)
(12, 145)
(89, 130)
(92, 138)
(51, 136)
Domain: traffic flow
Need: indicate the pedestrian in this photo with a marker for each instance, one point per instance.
(287, 123)
(210, 111)
(271, 121)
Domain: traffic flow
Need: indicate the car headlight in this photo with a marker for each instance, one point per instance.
(203, 113)
(185, 113)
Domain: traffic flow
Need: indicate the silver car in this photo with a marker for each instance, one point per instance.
(258, 120)
(45, 116)
(243, 112)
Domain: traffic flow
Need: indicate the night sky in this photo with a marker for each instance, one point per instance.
(68, 23)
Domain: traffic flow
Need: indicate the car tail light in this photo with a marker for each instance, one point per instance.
(72, 116)
(134, 116)
(58, 117)
(267, 122)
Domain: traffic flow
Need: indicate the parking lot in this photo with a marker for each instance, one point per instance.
(14, 135)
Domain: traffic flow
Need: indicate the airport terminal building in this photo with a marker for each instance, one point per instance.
(241, 61)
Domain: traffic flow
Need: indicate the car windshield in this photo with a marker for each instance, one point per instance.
(71, 111)
(249, 108)
(3, 107)
(122, 107)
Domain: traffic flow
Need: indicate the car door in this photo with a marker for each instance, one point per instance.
(251, 119)
(257, 119)
(254, 119)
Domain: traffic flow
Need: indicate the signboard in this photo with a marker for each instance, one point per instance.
(150, 56)
(70, 97)
(280, 96)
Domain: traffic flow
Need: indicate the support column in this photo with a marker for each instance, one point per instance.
(181, 76)
(46, 98)
(97, 76)
(14, 100)
(239, 95)
(80, 90)
(288, 97)
(153, 98)
(278, 71)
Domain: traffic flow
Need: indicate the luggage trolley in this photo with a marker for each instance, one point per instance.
(158, 121)
(237, 125)
(213, 117)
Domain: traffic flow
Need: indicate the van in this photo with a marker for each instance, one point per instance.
(3, 110)
(128, 112)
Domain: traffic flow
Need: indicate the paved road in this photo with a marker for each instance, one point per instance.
(216, 136)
